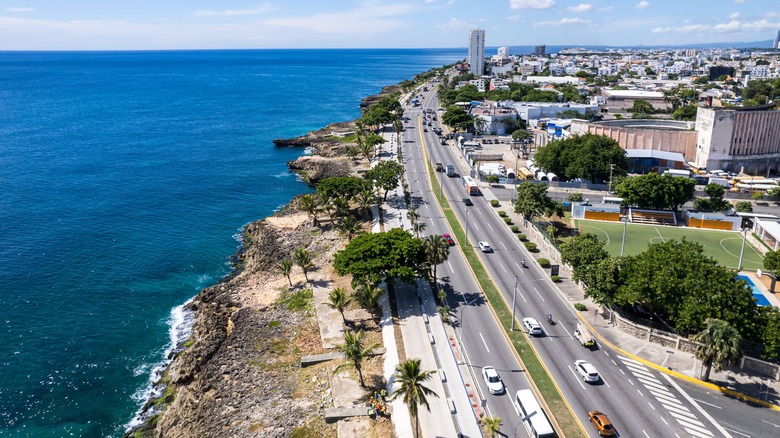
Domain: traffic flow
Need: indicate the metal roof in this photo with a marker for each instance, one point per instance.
(649, 153)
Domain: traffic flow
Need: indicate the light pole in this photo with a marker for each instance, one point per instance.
(514, 293)
(623, 245)
(742, 251)
(467, 224)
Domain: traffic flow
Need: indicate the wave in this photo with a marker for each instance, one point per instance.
(180, 324)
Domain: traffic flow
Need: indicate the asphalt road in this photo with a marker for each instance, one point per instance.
(639, 400)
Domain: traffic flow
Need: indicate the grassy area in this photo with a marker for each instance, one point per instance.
(535, 369)
(351, 138)
(723, 246)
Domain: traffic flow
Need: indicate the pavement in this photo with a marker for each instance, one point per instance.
(677, 363)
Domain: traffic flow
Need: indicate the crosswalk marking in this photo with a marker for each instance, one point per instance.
(653, 384)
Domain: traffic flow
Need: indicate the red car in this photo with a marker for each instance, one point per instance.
(448, 238)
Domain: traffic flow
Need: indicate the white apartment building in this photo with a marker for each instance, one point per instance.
(477, 52)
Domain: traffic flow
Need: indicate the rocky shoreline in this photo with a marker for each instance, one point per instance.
(239, 374)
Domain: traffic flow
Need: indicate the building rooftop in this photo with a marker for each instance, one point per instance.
(648, 153)
(631, 94)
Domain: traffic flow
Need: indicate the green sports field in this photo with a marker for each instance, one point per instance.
(723, 246)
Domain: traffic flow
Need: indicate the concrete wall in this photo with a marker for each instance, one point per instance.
(669, 140)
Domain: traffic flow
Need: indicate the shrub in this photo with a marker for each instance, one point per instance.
(544, 263)
(502, 213)
(508, 220)
(494, 202)
(581, 307)
(522, 237)
(575, 197)
(555, 278)
(515, 229)
(744, 207)
(530, 246)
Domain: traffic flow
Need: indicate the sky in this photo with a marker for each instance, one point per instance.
(246, 24)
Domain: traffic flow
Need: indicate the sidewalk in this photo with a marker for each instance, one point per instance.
(678, 363)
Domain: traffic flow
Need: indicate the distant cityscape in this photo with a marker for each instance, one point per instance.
(714, 108)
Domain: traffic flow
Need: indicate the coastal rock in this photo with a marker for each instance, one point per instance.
(314, 168)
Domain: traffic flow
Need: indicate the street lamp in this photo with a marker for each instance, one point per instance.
(467, 224)
(742, 251)
(514, 293)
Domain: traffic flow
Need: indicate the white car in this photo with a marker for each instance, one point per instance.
(485, 247)
(586, 371)
(532, 326)
(493, 382)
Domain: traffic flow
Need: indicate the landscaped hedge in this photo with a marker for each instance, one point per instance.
(530, 246)
(508, 220)
(502, 213)
(581, 307)
(522, 237)
(544, 263)
(515, 229)
(555, 278)
(494, 202)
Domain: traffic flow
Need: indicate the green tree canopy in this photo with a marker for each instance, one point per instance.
(715, 202)
(385, 175)
(537, 95)
(532, 200)
(642, 106)
(720, 345)
(583, 156)
(656, 191)
(382, 256)
(345, 186)
(582, 252)
(457, 118)
(687, 112)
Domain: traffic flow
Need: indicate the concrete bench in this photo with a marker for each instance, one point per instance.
(336, 414)
(325, 357)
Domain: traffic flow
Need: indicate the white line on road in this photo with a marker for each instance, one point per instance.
(632, 383)
(483, 341)
(502, 244)
(640, 393)
(451, 268)
(662, 419)
(605, 382)
(699, 408)
(491, 228)
(540, 295)
(576, 377)
(503, 268)
(708, 404)
(738, 432)
(651, 405)
(622, 372)
(567, 332)
(643, 431)
(518, 267)
(773, 424)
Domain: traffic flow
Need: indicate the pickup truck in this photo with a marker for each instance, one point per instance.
(439, 167)
(583, 335)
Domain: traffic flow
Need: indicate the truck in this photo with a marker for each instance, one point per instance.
(450, 170)
(583, 335)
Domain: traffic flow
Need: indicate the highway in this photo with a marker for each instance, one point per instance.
(639, 400)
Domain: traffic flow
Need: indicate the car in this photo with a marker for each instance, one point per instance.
(532, 326)
(587, 371)
(448, 238)
(492, 380)
(468, 202)
(425, 129)
(484, 246)
(602, 423)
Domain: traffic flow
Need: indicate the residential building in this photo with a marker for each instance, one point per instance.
(477, 52)
(492, 119)
(540, 50)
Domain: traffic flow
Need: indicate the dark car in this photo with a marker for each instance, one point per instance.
(448, 239)
(468, 202)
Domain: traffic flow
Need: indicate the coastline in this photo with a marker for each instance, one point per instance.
(209, 381)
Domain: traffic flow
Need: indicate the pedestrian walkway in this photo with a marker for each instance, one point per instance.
(674, 362)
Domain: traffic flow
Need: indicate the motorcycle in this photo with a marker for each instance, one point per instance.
(522, 262)
(550, 320)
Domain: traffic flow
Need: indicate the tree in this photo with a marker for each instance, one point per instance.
(720, 346)
(715, 202)
(581, 252)
(768, 319)
(603, 279)
(492, 178)
(365, 199)
(437, 250)
(303, 258)
(587, 156)
(285, 267)
(687, 112)
(532, 199)
(743, 207)
(347, 187)
(386, 175)
(349, 226)
(772, 265)
(338, 299)
(457, 118)
(492, 425)
(368, 296)
(382, 256)
(355, 353)
(369, 143)
(310, 205)
(656, 191)
(409, 379)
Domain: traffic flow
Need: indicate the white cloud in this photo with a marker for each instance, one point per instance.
(642, 5)
(513, 17)
(430, 1)
(582, 7)
(19, 9)
(728, 27)
(561, 22)
(734, 16)
(454, 23)
(606, 8)
(740, 1)
(262, 9)
(370, 18)
(531, 4)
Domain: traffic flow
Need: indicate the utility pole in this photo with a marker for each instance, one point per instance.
(611, 168)
(514, 292)
(742, 251)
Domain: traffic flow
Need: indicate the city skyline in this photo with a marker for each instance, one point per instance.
(244, 24)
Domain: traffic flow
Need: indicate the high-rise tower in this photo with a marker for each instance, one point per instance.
(776, 44)
(477, 52)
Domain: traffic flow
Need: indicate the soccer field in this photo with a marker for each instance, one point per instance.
(723, 246)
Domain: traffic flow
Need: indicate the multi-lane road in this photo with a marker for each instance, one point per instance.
(640, 401)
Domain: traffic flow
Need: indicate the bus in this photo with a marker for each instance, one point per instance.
(470, 186)
(537, 424)
(525, 174)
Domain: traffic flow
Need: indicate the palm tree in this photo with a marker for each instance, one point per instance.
(368, 296)
(410, 379)
(285, 267)
(340, 206)
(354, 353)
(310, 205)
(338, 299)
(349, 226)
(325, 196)
(719, 346)
(302, 258)
(413, 216)
(444, 313)
(437, 251)
(365, 199)
(418, 228)
(492, 425)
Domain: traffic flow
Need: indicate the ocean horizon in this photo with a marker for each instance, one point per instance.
(126, 179)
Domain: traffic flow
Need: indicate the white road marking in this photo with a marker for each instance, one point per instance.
(483, 342)
(622, 371)
(502, 244)
(643, 431)
(576, 377)
(699, 408)
(640, 393)
(518, 267)
(540, 295)
(605, 382)
(739, 433)
(475, 226)
(451, 268)
(773, 424)
(662, 419)
(567, 332)
(491, 228)
(708, 404)
(503, 268)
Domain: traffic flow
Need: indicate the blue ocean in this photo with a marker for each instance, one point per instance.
(125, 179)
